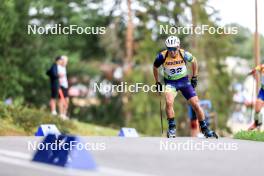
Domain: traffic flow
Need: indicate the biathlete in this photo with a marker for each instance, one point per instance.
(260, 99)
(174, 60)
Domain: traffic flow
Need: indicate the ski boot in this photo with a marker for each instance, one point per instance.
(206, 131)
(171, 133)
(209, 133)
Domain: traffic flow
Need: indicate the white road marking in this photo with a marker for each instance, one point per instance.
(117, 172)
(24, 160)
(29, 164)
(15, 154)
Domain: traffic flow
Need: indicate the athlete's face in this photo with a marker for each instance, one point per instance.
(172, 51)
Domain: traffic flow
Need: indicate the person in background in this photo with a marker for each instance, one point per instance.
(63, 87)
(54, 84)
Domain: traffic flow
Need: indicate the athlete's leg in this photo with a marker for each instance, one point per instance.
(258, 107)
(169, 98)
(258, 115)
(194, 102)
(170, 94)
(259, 104)
(190, 95)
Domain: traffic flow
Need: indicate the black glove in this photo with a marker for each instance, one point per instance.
(194, 81)
(158, 87)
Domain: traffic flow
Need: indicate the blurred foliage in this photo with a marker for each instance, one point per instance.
(244, 43)
(25, 58)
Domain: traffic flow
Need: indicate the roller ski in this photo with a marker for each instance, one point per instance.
(207, 132)
(171, 133)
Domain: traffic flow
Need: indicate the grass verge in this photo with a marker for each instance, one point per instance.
(250, 135)
(24, 121)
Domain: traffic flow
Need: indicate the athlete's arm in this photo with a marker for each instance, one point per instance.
(190, 58)
(157, 63)
(156, 74)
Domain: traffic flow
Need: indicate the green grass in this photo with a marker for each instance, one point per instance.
(7, 128)
(83, 129)
(250, 135)
(86, 129)
(24, 121)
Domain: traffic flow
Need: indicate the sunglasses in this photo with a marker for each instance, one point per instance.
(171, 48)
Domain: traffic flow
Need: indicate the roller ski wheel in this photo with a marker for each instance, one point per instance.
(209, 133)
(171, 133)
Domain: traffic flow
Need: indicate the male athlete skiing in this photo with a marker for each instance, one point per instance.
(260, 100)
(173, 59)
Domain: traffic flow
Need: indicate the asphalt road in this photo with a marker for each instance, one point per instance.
(143, 156)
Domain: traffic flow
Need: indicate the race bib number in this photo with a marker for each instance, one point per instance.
(175, 71)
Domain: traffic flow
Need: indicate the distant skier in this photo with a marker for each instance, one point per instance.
(174, 60)
(260, 99)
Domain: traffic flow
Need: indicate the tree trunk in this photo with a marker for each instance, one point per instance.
(194, 22)
(128, 62)
(129, 39)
